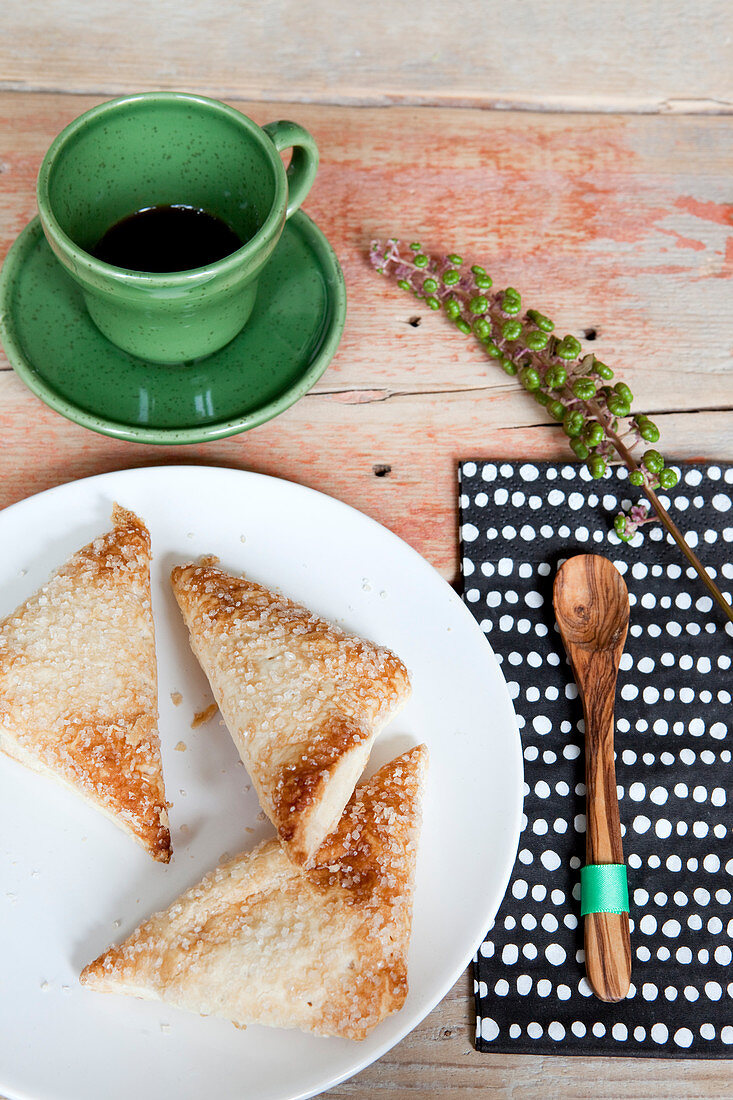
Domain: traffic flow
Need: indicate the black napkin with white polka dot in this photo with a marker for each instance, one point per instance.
(519, 521)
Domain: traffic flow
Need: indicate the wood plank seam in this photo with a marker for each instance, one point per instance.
(546, 104)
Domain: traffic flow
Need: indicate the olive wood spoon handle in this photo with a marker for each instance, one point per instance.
(592, 610)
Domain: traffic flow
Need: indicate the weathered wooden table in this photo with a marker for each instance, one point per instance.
(601, 189)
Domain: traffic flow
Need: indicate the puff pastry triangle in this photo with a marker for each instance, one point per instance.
(302, 698)
(78, 682)
(261, 941)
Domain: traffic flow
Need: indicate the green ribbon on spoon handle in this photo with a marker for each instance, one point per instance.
(603, 888)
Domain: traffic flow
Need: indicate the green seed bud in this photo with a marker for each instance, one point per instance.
(556, 409)
(420, 260)
(636, 477)
(624, 392)
(452, 308)
(593, 433)
(511, 330)
(511, 306)
(433, 303)
(540, 320)
(536, 340)
(617, 406)
(568, 348)
(415, 246)
(668, 478)
(478, 304)
(541, 397)
(648, 431)
(493, 350)
(653, 462)
(584, 389)
(403, 284)
(482, 328)
(430, 286)
(602, 370)
(478, 270)
(596, 466)
(555, 377)
(451, 277)
(619, 524)
(580, 449)
(483, 282)
(513, 294)
(530, 378)
(456, 260)
(509, 367)
(463, 326)
(572, 425)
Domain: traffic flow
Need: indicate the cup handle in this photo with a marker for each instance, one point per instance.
(304, 162)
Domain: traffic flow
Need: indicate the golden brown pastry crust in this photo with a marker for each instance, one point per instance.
(302, 698)
(260, 941)
(78, 682)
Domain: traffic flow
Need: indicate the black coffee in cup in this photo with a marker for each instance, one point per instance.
(167, 238)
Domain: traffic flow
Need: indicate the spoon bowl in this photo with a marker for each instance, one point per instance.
(591, 604)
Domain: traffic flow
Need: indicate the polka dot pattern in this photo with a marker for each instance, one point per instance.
(673, 768)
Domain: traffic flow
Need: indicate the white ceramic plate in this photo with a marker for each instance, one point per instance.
(72, 883)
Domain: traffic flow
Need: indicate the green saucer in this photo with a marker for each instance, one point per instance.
(290, 339)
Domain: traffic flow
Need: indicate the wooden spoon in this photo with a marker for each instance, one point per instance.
(592, 611)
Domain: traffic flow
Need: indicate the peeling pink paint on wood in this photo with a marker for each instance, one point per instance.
(684, 242)
(726, 269)
(719, 212)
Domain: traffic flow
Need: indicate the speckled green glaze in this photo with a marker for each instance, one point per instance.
(291, 337)
(167, 148)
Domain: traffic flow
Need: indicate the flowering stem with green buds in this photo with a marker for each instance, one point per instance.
(575, 388)
(666, 520)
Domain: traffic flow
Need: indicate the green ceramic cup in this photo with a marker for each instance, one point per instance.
(167, 148)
